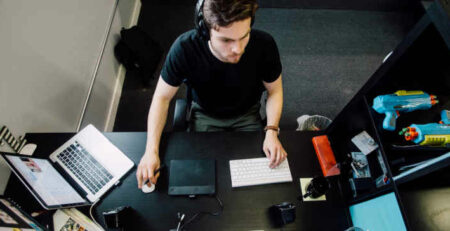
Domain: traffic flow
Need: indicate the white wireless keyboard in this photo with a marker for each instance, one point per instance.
(256, 171)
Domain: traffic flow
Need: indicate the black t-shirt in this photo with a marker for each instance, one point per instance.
(223, 89)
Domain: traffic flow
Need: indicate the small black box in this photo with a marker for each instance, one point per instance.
(283, 213)
(117, 217)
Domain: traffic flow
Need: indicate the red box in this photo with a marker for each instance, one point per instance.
(325, 155)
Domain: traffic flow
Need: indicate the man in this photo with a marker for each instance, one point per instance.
(228, 66)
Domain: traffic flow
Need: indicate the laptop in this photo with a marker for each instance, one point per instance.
(78, 173)
(192, 177)
(13, 218)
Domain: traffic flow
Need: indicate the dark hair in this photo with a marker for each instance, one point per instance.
(224, 12)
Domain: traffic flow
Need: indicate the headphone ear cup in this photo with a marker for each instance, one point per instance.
(200, 26)
(203, 30)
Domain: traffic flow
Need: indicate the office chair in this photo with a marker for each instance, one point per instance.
(182, 112)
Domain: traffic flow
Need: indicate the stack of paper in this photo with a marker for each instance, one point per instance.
(73, 220)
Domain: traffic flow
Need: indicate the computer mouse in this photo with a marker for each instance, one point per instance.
(148, 189)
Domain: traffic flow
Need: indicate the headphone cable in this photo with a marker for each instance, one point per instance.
(205, 213)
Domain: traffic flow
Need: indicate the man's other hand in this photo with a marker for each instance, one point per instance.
(273, 149)
(149, 164)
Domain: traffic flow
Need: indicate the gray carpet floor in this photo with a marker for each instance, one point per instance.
(327, 55)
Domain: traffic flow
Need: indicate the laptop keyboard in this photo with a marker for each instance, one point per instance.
(87, 169)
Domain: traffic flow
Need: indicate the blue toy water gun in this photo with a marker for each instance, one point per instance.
(445, 116)
(401, 101)
(432, 134)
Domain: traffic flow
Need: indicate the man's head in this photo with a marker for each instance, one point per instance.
(229, 23)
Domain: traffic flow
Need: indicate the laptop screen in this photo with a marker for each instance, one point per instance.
(45, 181)
(379, 213)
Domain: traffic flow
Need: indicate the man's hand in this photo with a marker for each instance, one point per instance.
(273, 149)
(149, 164)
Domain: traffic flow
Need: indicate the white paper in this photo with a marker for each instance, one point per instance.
(364, 142)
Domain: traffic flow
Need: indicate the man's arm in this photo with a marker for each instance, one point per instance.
(157, 117)
(272, 146)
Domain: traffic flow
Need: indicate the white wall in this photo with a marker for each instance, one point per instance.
(102, 105)
(48, 55)
(49, 52)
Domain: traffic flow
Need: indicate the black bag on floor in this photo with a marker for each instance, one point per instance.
(138, 52)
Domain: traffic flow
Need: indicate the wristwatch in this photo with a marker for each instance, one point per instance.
(271, 127)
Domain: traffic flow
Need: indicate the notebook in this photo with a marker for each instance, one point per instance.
(379, 213)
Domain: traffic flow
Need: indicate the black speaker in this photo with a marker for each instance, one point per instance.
(117, 217)
(282, 214)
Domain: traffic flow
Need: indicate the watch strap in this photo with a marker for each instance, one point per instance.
(272, 127)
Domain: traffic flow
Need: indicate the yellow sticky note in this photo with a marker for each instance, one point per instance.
(303, 184)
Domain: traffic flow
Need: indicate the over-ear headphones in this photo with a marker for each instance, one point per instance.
(199, 21)
(200, 25)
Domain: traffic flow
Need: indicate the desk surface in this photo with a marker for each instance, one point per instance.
(244, 208)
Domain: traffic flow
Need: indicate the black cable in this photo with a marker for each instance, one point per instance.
(205, 213)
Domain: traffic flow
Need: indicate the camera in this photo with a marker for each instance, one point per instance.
(117, 217)
(283, 213)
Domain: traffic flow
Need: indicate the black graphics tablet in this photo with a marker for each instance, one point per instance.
(192, 177)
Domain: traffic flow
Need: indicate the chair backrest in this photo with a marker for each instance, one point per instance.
(188, 97)
(182, 111)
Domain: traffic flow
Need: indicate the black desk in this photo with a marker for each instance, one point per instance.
(244, 208)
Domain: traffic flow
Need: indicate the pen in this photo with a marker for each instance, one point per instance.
(156, 172)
